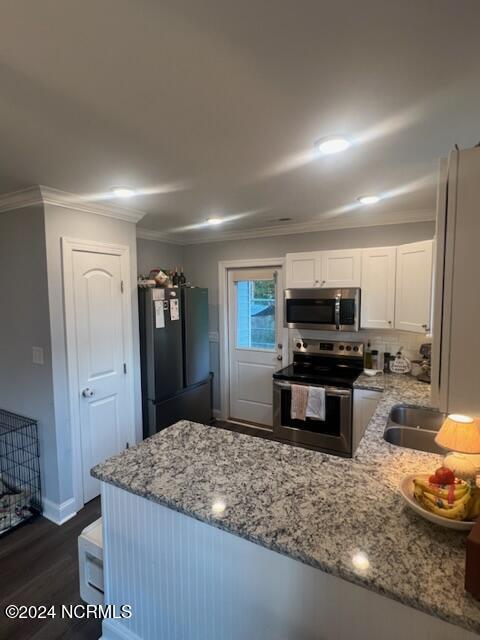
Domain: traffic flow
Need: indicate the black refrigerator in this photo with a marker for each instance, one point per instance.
(175, 360)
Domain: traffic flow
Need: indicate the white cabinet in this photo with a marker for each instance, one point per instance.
(413, 286)
(324, 269)
(342, 268)
(456, 352)
(396, 282)
(304, 270)
(364, 404)
(378, 288)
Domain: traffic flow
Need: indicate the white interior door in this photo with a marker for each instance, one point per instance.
(101, 369)
(255, 345)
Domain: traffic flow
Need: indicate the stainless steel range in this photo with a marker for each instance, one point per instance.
(317, 363)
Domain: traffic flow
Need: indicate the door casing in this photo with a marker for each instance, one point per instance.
(69, 246)
(224, 373)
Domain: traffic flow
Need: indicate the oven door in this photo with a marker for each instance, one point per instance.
(333, 434)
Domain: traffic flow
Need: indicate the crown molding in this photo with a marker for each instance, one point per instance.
(373, 220)
(159, 236)
(28, 197)
(40, 194)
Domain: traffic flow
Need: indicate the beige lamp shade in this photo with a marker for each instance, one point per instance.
(459, 433)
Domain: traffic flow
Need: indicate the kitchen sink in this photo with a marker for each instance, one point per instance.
(414, 428)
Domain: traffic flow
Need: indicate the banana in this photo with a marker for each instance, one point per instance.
(474, 505)
(434, 498)
(437, 490)
(441, 503)
(458, 513)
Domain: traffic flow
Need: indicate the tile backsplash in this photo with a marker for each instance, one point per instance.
(380, 339)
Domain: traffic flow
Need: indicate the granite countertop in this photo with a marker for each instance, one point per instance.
(317, 508)
(379, 381)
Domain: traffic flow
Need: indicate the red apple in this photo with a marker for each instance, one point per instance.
(444, 475)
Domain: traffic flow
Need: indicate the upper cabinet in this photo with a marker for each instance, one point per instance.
(396, 282)
(342, 268)
(413, 289)
(378, 288)
(324, 269)
(304, 270)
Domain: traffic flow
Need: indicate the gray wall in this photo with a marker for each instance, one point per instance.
(151, 254)
(25, 387)
(59, 222)
(201, 261)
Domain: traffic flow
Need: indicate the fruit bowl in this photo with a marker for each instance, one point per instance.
(407, 491)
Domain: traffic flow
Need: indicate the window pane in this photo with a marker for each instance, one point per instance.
(256, 314)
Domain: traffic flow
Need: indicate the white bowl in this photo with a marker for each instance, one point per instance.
(407, 492)
(372, 372)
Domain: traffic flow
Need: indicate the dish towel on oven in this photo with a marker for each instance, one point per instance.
(316, 403)
(298, 406)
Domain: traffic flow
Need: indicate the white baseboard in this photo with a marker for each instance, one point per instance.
(116, 630)
(59, 513)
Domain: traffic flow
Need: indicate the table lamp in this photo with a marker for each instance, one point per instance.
(461, 436)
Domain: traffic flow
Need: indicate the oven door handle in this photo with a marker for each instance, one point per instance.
(332, 391)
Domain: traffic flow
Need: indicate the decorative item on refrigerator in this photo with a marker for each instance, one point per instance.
(174, 313)
(159, 315)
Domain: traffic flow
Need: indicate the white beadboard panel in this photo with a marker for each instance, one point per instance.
(187, 580)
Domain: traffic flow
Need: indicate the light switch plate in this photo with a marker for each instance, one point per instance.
(37, 355)
(213, 336)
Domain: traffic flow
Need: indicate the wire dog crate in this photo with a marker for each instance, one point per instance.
(20, 494)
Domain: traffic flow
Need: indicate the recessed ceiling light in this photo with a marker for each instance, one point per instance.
(369, 199)
(334, 144)
(215, 220)
(123, 192)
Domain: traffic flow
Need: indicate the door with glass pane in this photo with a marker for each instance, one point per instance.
(255, 349)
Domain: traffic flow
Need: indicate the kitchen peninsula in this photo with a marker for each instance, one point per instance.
(322, 546)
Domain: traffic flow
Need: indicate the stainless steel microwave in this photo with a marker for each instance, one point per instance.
(324, 309)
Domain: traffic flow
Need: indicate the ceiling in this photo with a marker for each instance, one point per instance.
(212, 108)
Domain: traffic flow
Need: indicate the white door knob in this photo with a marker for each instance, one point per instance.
(88, 393)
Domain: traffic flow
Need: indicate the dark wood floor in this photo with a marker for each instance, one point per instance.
(39, 566)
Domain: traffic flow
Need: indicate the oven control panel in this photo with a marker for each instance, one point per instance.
(328, 347)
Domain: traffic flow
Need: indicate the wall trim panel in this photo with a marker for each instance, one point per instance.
(187, 580)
